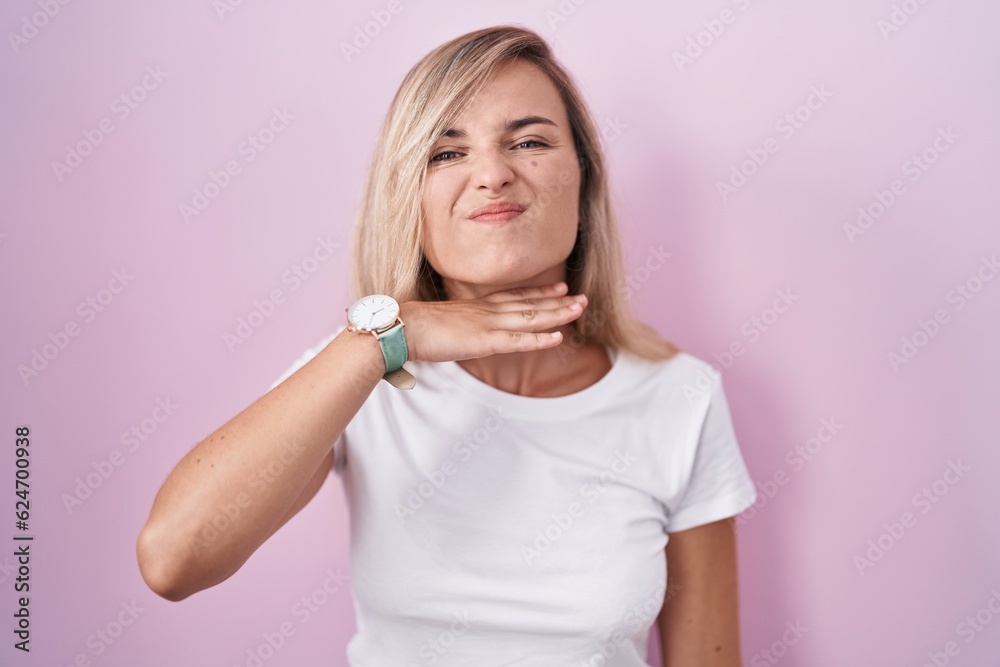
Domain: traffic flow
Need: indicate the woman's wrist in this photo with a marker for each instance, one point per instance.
(365, 351)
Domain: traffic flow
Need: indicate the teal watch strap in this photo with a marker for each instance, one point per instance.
(393, 342)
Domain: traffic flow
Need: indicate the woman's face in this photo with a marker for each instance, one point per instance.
(513, 145)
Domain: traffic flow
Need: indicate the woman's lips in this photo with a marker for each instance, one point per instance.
(503, 216)
(499, 212)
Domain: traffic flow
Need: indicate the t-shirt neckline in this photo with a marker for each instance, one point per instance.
(533, 408)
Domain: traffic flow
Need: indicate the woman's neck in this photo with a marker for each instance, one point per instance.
(555, 371)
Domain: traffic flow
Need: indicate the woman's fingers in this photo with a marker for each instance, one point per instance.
(541, 303)
(536, 317)
(502, 342)
(507, 321)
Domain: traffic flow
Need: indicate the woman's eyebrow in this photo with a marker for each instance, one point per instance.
(509, 126)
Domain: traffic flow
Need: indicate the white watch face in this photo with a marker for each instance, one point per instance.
(373, 312)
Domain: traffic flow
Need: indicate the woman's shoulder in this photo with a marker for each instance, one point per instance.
(682, 373)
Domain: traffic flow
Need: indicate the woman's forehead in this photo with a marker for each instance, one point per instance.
(510, 102)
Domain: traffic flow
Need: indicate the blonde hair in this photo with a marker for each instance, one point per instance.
(387, 255)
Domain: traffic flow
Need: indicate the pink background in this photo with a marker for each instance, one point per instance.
(671, 135)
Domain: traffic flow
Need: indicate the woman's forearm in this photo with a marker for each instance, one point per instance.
(229, 493)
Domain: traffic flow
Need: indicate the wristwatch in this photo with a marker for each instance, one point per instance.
(379, 315)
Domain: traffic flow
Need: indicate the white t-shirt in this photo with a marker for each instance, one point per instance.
(489, 528)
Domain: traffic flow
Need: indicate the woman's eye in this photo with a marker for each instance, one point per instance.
(443, 156)
(439, 158)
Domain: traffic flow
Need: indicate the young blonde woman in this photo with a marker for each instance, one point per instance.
(519, 488)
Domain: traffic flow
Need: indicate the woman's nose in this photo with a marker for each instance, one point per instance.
(491, 170)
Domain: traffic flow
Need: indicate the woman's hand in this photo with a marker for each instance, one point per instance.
(505, 321)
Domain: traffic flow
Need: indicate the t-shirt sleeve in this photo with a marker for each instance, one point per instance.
(339, 447)
(720, 485)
